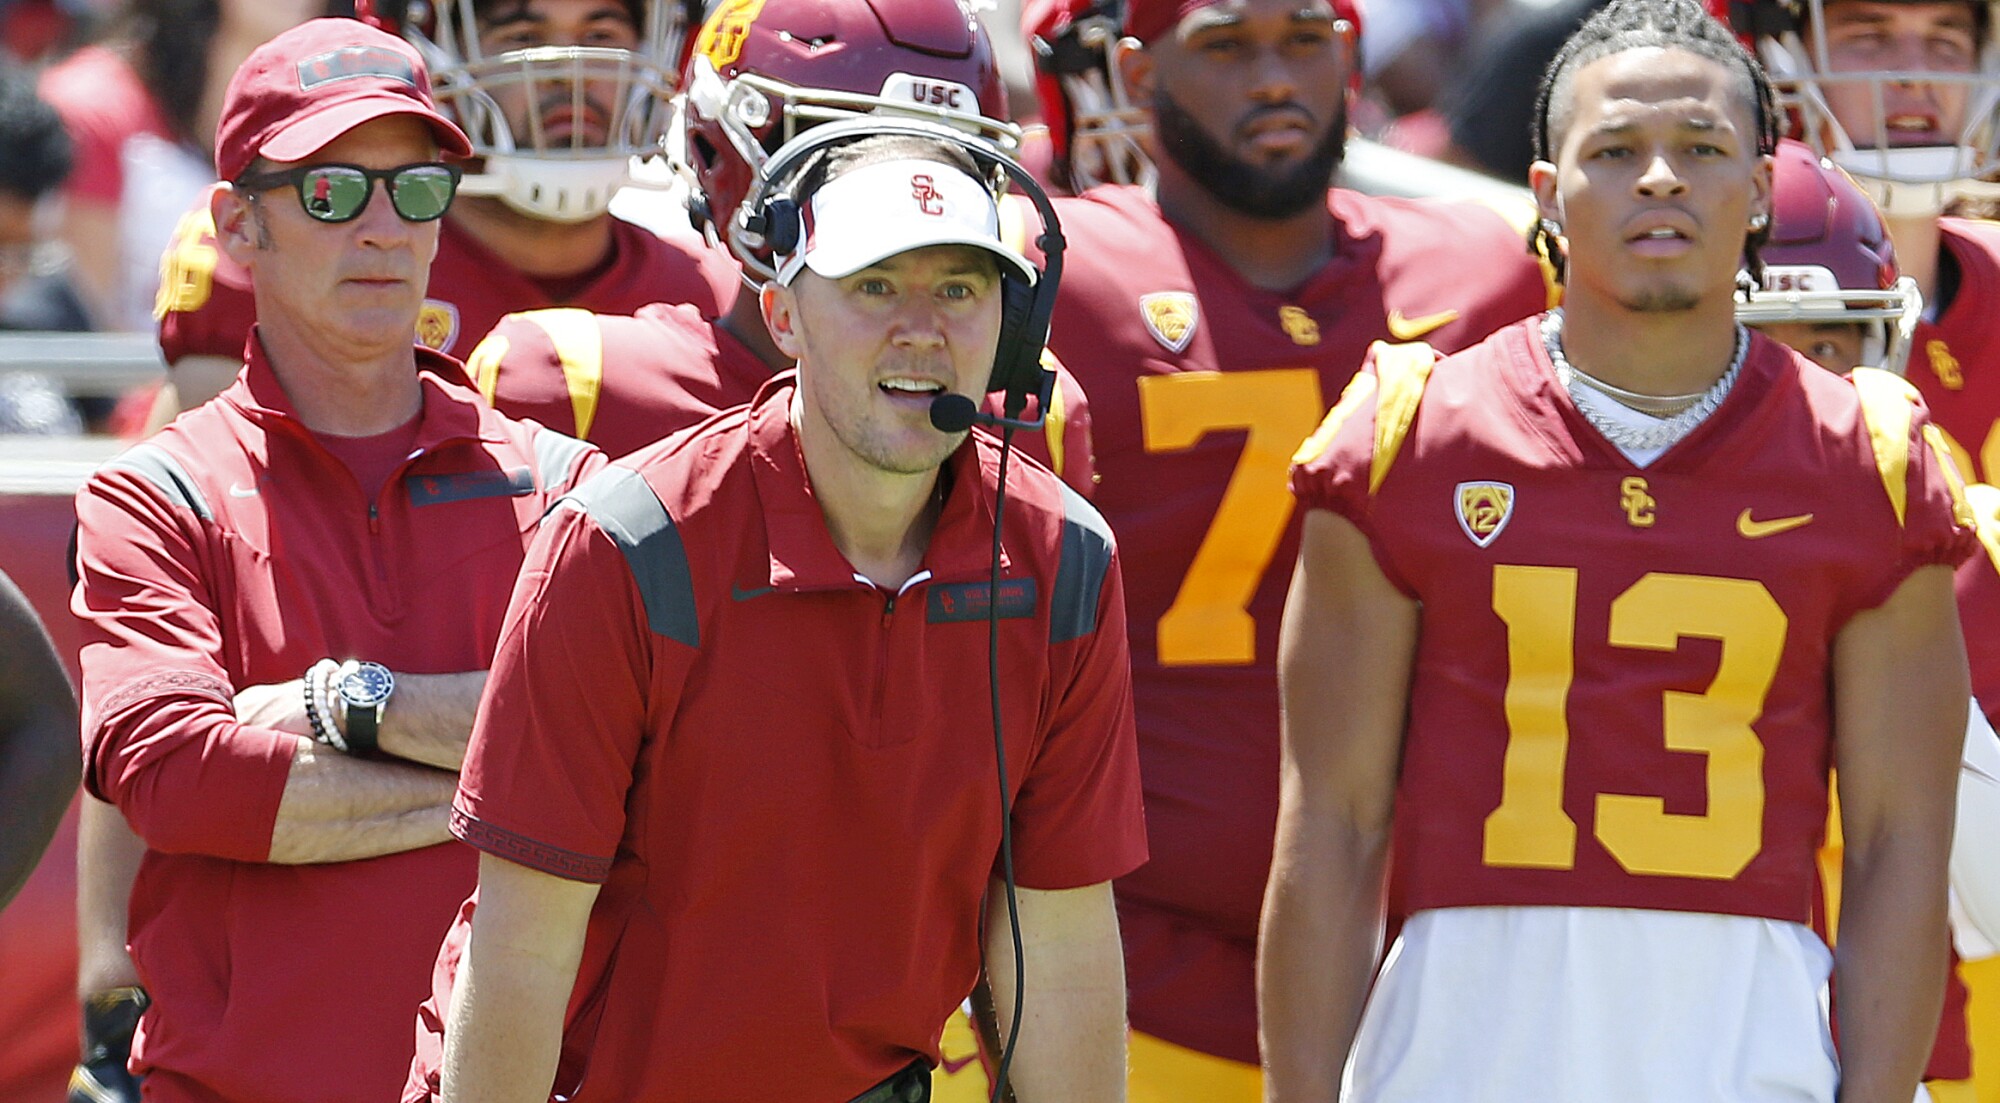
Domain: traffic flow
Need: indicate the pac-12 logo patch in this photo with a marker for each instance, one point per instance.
(1484, 510)
(1170, 317)
(437, 324)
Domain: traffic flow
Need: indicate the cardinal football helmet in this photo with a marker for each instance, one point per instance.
(1829, 260)
(761, 71)
(1093, 125)
(557, 126)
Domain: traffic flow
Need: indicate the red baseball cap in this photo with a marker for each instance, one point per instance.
(318, 81)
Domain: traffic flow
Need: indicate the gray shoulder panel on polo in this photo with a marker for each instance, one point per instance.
(556, 456)
(158, 466)
(628, 511)
(1086, 560)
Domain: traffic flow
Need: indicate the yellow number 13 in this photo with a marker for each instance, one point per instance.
(1530, 828)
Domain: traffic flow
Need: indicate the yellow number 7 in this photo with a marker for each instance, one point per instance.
(1209, 623)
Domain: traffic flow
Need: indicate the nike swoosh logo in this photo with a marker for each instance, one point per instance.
(952, 1068)
(239, 491)
(1409, 329)
(1751, 529)
(741, 594)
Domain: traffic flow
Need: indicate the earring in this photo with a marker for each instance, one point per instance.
(1551, 227)
(1758, 222)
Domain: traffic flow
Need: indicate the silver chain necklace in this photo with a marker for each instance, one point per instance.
(1660, 433)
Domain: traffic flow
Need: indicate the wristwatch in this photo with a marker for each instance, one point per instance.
(364, 689)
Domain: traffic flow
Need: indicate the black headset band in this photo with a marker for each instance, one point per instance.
(1017, 360)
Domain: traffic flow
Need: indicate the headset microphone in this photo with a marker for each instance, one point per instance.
(955, 413)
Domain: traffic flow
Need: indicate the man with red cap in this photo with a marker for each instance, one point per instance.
(279, 662)
(1212, 320)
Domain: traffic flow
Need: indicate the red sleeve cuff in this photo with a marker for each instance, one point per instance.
(521, 850)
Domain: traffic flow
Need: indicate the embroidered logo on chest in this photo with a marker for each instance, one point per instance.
(1944, 365)
(1298, 325)
(1170, 317)
(973, 601)
(1636, 499)
(437, 324)
(1484, 508)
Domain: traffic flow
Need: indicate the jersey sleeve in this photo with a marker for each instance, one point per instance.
(1978, 585)
(577, 675)
(543, 364)
(1078, 817)
(161, 739)
(1926, 493)
(1341, 465)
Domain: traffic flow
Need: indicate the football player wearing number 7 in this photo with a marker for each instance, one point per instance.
(1218, 315)
(1582, 616)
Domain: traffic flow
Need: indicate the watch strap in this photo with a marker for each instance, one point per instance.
(363, 721)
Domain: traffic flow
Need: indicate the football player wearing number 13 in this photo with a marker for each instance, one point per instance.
(1581, 619)
(1218, 316)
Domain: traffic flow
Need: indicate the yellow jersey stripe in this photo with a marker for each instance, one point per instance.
(1887, 405)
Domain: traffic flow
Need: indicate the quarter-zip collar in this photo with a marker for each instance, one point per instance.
(802, 552)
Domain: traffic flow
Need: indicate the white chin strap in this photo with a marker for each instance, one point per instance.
(554, 191)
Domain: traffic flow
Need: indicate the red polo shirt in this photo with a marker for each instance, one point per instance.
(233, 550)
(782, 775)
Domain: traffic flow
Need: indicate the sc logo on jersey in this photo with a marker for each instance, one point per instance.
(1636, 499)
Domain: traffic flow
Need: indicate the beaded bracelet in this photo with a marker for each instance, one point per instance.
(317, 713)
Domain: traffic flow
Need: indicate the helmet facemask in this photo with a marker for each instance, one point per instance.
(557, 126)
(1904, 180)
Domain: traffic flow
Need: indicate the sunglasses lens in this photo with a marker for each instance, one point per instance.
(334, 193)
(422, 192)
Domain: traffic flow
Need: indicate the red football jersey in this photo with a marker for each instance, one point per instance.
(1978, 582)
(1955, 361)
(1622, 681)
(205, 307)
(625, 381)
(1201, 387)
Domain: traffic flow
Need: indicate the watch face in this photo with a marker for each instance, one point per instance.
(367, 684)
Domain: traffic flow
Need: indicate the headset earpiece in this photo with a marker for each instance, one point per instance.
(781, 225)
(1017, 307)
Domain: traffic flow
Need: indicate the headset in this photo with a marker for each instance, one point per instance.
(770, 217)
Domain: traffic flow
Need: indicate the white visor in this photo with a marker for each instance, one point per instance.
(865, 216)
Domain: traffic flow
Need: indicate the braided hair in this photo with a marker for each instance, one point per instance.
(1623, 25)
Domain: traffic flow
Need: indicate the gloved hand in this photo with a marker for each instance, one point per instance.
(109, 1018)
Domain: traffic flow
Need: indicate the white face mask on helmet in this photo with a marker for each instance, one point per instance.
(557, 126)
(1906, 172)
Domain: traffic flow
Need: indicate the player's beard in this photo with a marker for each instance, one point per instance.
(1236, 183)
(1660, 300)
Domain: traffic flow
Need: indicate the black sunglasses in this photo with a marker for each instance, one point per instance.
(339, 193)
